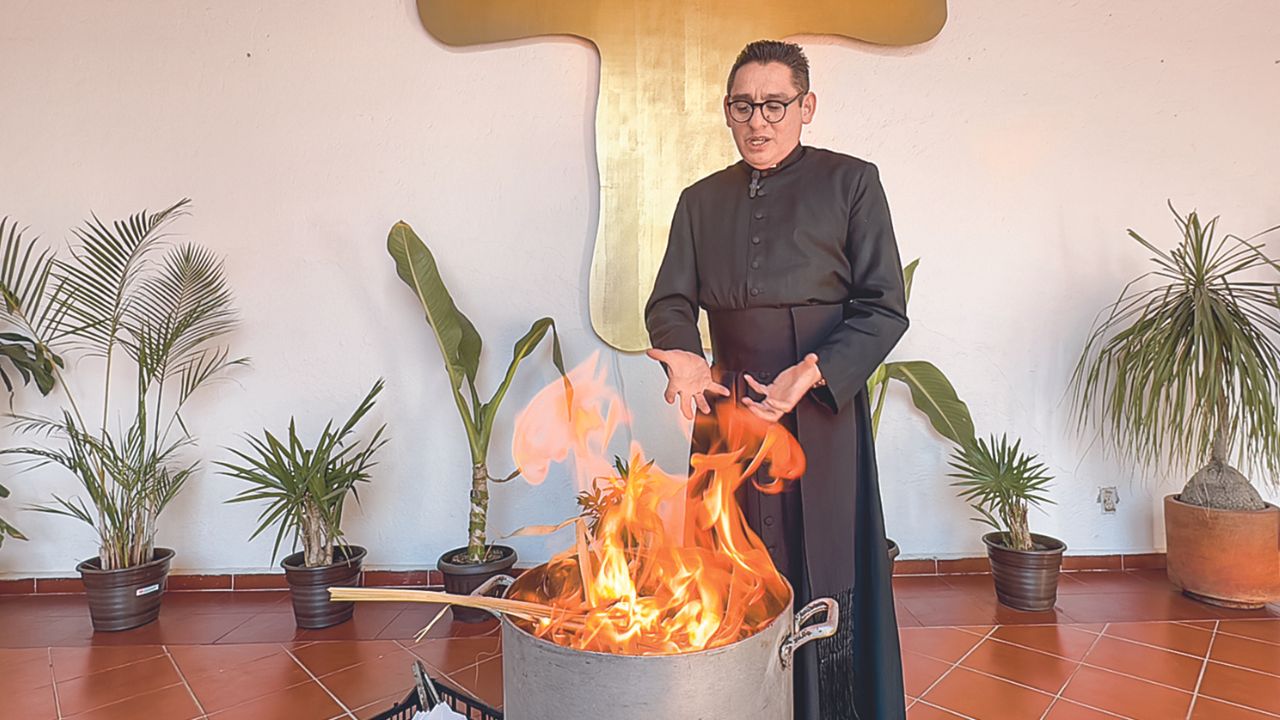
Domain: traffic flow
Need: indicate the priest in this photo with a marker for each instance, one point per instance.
(791, 253)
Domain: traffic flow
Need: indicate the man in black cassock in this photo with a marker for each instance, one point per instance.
(791, 252)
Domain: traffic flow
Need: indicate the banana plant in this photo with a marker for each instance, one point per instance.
(931, 392)
(460, 345)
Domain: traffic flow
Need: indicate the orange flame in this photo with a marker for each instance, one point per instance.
(670, 565)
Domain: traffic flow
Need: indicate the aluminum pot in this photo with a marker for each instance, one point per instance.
(750, 679)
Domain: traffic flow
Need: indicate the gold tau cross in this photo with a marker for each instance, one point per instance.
(659, 123)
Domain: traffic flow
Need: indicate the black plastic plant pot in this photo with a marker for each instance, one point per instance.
(1026, 579)
(461, 577)
(126, 598)
(309, 587)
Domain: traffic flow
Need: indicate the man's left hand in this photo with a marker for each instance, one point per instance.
(786, 390)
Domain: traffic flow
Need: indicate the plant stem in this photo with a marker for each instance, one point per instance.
(1222, 437)
(1019, 532)
(315, 546)
(476, 545)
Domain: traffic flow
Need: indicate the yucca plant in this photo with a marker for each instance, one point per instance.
(931, 391)
(1001, 483)
(461, 346)
(306, 486)
(124, 295)
(25, 272)
(1179, 373)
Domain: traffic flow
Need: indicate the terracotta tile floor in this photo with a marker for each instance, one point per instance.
(1118, 645)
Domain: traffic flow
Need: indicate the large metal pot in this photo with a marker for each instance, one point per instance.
(750, 679)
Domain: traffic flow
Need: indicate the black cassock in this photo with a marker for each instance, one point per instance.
(797, 259)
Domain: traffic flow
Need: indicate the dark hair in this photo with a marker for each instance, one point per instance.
(767, 51)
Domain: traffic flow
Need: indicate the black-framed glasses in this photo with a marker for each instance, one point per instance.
(741, 111)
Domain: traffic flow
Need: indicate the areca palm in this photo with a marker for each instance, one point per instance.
(126, 293)
(1181, 372)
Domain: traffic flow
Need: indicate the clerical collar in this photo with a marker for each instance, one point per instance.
(756, 189)
(786, 162)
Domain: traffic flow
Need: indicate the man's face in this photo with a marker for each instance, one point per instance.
(761, 143)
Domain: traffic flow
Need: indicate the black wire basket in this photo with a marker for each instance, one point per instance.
(429, 692)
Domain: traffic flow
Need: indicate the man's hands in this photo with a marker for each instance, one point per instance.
(688, 378)
(781, 396)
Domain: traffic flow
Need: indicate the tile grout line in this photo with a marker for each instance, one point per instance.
(53, 685)
(1079, 664)
(323, 687)
(440, 673)
(949, 711)
(1208, 651)
(1132, 642)
(246, 621)
(185, 684)
(1245, 637)
(954, 665)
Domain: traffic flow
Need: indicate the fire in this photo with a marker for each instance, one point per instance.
(670, 565)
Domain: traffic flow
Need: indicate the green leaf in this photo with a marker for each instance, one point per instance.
(523, 348)
(1184, 364)
(459, 342)
(909, 274)
(305, 485)
(933, 395)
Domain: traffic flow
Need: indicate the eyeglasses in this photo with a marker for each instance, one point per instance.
(741, 111)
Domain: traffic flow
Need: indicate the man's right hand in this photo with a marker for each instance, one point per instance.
(688, 380)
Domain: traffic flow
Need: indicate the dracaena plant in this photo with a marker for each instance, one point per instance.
(931, 391)
(152, 313)
(1184, 366)
(25, 272)
(1001, 483)
(461, 346)
(305, 486)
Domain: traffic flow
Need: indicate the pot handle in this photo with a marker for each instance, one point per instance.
(488, 586)
(803, 633)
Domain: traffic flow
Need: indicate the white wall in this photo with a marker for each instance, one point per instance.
(1016, 148)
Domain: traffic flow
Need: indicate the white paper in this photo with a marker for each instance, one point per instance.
(439, 712)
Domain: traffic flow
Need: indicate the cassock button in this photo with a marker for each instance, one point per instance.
(755, 240)
(768, 521)
(755, 264)
(772, 549)
(755, 291)
(759, 215)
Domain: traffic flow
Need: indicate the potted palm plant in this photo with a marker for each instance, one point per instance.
(305, 488)
(1182, 372)
(126, 297)
(465, 568)
(931, 393)
(25, 270)
(1002, 483)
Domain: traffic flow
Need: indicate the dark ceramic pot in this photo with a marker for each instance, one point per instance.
(461, 578)
(1026, 579)
(126, 598)
(309, 587)
(894, 550)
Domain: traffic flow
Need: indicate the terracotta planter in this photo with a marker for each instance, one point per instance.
(126, 598)
(1026, 579)
(1224, 557)
(461, 578)
(309, 587)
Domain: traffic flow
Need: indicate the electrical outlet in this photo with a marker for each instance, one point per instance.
(1108, 497)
